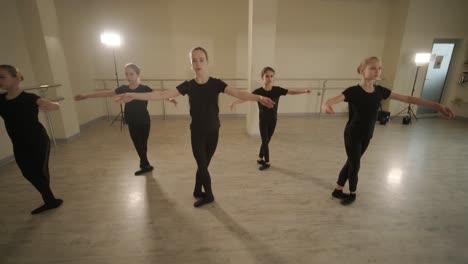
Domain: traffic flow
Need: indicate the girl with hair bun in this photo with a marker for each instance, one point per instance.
(31, 144)
(364, 101)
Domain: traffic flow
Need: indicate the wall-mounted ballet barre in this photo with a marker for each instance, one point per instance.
(43, 89)
(162, 87)
(321, 88)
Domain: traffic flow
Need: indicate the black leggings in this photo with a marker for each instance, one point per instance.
(203, 147)
(139, 134)
(33, 161)
(355, 148)
(267, 128)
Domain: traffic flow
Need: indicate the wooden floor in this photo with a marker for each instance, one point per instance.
(412, 204)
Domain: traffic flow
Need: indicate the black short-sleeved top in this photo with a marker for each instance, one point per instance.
(274, 94)
(363, 108)
(203, 99)
(136, 112)
(21, 120)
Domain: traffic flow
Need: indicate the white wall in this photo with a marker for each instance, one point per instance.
(462, 92)
(12, 51)
(428, 20)
(326, 39)
(315, 39)
(393, 40)
(157, 36)
(40, 27)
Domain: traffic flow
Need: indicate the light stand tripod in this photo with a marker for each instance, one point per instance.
(409, 108)
(119, 117)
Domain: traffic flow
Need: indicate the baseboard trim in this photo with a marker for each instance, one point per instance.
(92, 122)
(61, 141)
(461, 118)
(161, 117)
(292, 115)
(6, 160)
(71, 138)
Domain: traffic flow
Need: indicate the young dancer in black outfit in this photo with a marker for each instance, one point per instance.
(135, 114)
(268, 116)
(31, 145)
(364, 101)
(203, 92)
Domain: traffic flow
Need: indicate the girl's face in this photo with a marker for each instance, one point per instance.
(132, 76)
(7, 80)
(268, 77)
(372, 70)
(199, 61)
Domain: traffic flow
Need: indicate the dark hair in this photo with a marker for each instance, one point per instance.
(12, 70)
(267, 69)
(134, 67)
(200, 49)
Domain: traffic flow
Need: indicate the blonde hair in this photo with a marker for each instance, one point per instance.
(13, 71)
(134, 67)
(365, 62)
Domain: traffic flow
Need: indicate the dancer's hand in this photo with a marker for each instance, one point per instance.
(307, 91)
(124, 98)
(174, 101)
(328, 109)
(232, 106)
(266, 102)
(446, 111)
(80, 97)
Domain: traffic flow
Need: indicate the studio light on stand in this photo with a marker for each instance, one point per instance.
(420, 59)
(113, 40)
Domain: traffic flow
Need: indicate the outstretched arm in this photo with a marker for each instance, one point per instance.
(80, 97)
(444, 110)
(45, 105)
(156, 95)
(294, 92)
(244, 96)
